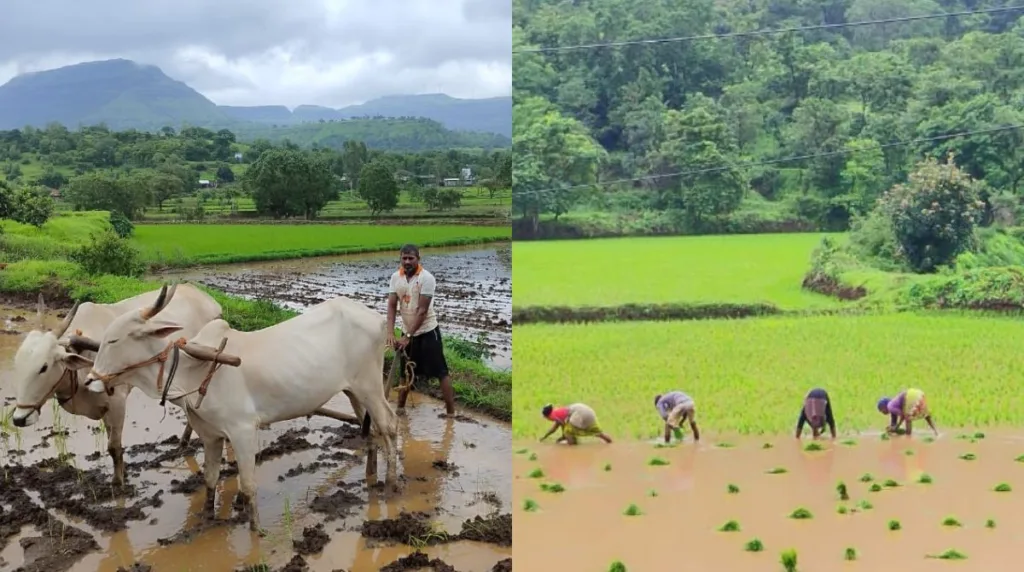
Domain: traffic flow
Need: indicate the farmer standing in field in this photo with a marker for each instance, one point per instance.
(816, 412)
(674, 408)
(412, 294)
(906, 407)
(575, 421)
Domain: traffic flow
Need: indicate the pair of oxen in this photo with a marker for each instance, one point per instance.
(171, 344)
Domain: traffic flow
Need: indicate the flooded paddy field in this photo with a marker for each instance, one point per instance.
(913, 504)
(59, 510)
(474, 287)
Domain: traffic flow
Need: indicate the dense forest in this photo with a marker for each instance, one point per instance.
(127, 171)
(600, 133)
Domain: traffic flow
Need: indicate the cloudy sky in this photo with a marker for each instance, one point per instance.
(266, 52)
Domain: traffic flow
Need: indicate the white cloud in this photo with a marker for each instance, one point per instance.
(274, 52)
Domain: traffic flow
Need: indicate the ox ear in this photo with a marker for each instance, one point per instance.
(160, 328)
(75, 361)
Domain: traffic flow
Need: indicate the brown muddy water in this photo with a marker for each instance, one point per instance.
(474, 287)
(311, 473)
(584, 528)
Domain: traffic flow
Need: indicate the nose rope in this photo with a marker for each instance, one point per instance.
(38, 407)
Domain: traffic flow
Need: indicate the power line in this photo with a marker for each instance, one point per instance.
(772, 161)
(756, 33)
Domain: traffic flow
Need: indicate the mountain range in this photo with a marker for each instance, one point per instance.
(123, 94)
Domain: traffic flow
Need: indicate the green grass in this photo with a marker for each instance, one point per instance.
(737, 269)
(218, 244)
(961, 361)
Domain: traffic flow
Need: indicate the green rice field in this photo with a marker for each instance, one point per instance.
(749, 376)
(698, 269)
(214, 244)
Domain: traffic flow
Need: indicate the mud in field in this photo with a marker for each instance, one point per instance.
(683, 504)
(474, 287)
(315, 507)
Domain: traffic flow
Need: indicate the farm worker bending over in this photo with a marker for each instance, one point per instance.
(907, 406)
(816, 412)
(576, 420)
(674, 408)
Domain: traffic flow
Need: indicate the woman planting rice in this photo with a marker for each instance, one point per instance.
(816, 412)
(675, 407)
(576, 420)
(907, 406)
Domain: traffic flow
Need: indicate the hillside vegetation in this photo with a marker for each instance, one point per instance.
(122, 94)
(654, 110)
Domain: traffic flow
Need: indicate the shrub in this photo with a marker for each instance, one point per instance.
(121, 225)
(933, 216)
(108, 253)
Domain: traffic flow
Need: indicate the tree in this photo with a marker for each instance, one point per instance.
(934, 214)
(378, 188)
(107, 191)
(225, 174)
(353, 156)
(25, 205)
(442, 199)
(287, 183)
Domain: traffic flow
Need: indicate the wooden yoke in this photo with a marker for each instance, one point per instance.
(215, 356)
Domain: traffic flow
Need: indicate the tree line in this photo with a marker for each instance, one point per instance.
(94, 168)
(727, 113)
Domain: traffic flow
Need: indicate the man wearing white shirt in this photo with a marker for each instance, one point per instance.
(411, 294)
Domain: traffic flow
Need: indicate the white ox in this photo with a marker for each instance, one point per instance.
(279, 373)
(45, 365)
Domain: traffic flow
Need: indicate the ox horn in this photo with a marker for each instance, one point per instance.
(161, 301)
(67, 321)
(83, 344)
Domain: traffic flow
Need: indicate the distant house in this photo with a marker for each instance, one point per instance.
(451, 182)
(239, 157)
(55, 194)
(204, 184)
(467, 175)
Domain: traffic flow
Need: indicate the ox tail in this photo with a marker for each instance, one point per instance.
(365, 430)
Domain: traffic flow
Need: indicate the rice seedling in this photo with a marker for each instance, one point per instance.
(968, 457)
(532, 457)
(552, 488)
(1020, 459)
(848, 442)
(949, 555)
(652, 493)
(894, 525)
(1003, 488)
(657, 462)
(754, 545)
(769, 446)
(909, 452)
(865, 505)
(632, 510)
(850, 554)
(801, 514)
(733, 489)
(990, 523)
(776, 471)
(582, 353)
(951, 521)
(866, 478)
(875, 487)
(537, 473)
(924, 479)
(928, 439)
(617, 566)
(607, 467)
(725, 445)
(522, 451)
(530, 505)
(842, 492)
(813, 446)
(788, 560)
(979, 435)
(885, 437)
(731, 526)
(841, 509)
(289, 519)
(891, 484)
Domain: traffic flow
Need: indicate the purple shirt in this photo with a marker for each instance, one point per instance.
(669, 401)
(896, 404)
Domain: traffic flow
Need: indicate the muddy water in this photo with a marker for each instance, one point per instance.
(317, 459)
(474, 287)
(679, 527)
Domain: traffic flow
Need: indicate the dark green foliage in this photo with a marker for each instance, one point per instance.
(108, 253)
(377, 186)
(121, 225)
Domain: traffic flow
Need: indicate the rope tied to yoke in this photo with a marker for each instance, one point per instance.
(409, 371)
